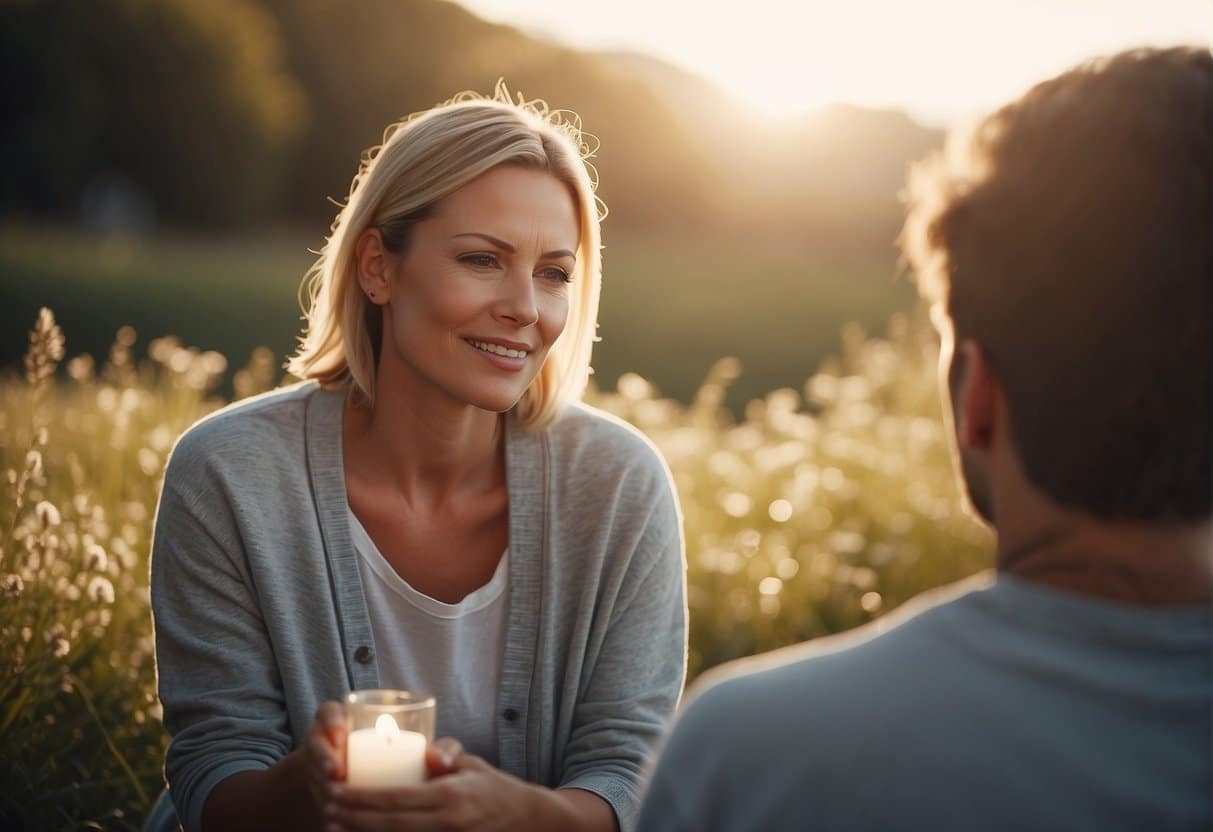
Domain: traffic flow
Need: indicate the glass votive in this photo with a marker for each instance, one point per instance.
(389, 731)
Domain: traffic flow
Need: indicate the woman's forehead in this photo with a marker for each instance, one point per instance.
(514, 204)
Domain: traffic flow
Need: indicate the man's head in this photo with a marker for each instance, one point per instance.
(1066, 243)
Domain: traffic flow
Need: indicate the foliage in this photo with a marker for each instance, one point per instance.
(233, 111)
(181, 102)
(368, 64)
(803, 521)
(800, 520)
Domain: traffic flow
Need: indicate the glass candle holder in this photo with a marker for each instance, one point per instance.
(389, 732)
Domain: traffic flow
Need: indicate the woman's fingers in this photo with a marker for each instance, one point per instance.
(331, 717)
(470, 762)
(329, 732)
(441, 756)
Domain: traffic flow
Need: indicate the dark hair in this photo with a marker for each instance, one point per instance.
(1071, 235)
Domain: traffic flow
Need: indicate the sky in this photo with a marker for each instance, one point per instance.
(940, 60)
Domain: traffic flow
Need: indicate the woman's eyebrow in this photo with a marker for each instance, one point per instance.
(504, 246)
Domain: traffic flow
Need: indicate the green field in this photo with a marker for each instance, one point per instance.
(670, 308)
(807, 516)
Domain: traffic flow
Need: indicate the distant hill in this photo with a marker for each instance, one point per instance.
(368, 63)
(235, 113)
(837, 169)
(676, 150)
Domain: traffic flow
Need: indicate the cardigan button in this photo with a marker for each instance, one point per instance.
(364, 654)
(509, 714)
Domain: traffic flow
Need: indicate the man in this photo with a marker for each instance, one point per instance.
(1066, 246)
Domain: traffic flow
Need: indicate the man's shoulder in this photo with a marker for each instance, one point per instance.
(729, 762)
(838, 671)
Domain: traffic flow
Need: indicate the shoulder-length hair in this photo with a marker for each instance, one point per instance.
(424, 158)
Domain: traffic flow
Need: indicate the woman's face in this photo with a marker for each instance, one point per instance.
(482, 292)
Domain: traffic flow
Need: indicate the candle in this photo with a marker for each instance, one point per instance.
(385, 755)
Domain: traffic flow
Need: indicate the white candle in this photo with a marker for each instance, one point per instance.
(385, 755)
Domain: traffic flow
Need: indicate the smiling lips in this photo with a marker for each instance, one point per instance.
(498, 349)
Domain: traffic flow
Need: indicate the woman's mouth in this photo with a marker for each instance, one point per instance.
(497, 349)
(504, 358)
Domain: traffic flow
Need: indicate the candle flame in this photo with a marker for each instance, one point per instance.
(386, 727)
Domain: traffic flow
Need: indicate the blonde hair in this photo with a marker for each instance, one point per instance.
(424, 158)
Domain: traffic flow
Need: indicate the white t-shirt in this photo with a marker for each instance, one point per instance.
(452, 651)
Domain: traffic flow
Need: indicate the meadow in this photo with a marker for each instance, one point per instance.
(815, 509)
(670, 306)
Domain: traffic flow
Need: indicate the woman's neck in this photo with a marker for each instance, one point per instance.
(422, 441)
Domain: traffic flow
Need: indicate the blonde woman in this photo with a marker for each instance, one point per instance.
(432, 509)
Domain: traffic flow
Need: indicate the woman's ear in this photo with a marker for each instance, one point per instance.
(976, 391)
(374, 264)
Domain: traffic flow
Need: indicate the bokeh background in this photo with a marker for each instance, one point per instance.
(168, 165)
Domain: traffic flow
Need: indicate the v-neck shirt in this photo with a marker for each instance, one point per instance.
(451, 651)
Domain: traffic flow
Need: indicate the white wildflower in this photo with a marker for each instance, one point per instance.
(100, 589)
(47, 514)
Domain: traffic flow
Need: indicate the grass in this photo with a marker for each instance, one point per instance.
(809, 513)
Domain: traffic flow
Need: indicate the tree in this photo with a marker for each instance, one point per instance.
(186, 99)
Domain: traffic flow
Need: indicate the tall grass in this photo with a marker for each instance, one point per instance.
(814, 513)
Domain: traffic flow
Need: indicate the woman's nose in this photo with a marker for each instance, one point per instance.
(517, 300)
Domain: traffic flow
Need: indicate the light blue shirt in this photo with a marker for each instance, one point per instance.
(989, 705)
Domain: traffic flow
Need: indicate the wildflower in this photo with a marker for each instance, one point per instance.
(148, 462)
(125, 336)
(33, 463)
(81, 368)
(871, 602)
(780, 511)
(11, 586)
(161, 349)
(95, 559)
(100, 589)
(45, 349)
(48, 516)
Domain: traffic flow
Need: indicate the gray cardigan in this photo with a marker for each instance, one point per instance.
(260, 616)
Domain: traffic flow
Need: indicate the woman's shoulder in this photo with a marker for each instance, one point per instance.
(586, 439)
(249, 431)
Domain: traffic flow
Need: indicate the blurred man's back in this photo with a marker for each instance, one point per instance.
(1066, 246)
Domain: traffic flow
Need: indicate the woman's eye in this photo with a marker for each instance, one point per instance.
(480, 261)
(555, 273)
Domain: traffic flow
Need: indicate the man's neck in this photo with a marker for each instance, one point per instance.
(1152, 564)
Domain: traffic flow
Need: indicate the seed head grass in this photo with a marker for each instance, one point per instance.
(819, 510)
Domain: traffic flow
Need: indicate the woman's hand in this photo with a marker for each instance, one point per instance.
(324, 752)
(465, 793)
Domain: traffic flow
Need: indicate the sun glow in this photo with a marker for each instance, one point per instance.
(938, 59)
(783, 95)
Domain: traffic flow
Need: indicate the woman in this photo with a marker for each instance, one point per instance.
(430, 510)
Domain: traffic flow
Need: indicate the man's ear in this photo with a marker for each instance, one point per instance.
(975, 394)
(373, 264)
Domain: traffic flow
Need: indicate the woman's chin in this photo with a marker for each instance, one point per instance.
(494, 400)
